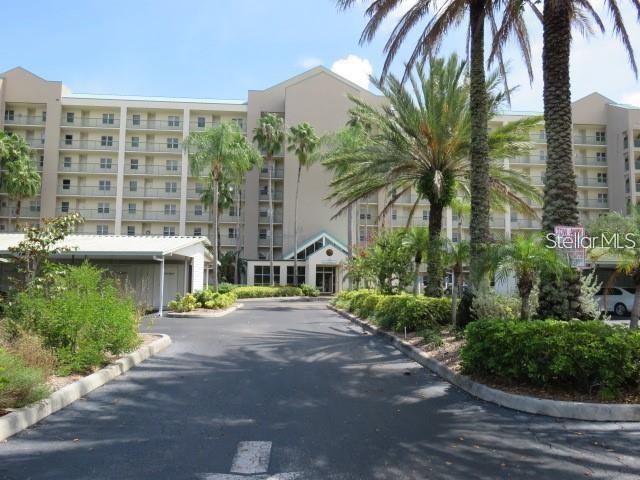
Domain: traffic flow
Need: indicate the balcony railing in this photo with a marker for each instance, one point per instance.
(276, 173)
(153, 170)
(590, 182)
(276, 195)
(636, 142)
(525, 223)
(154, 124)
(152, 192)
(226, 240)
(88, 145)
(538, 137)
(89, 213)
(35, 142)
(153, 147)
(265, 242)
(91, 167)
(93, 191)
(7, 212)
(91, 122)
(277, 218)
(226, 218)
(530, 160)
(593, 203)
(591, 161)
(539, 181)
(203, 217)
(194, 194)
(589, 140)
(26, 120)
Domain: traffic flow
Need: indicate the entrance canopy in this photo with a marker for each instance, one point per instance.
(316, 243)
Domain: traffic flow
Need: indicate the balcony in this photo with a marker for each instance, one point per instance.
(525, 223)
(89, 145)
(529, 160)
(7, 212)
(593, 203)
(228, 241)
(538, 137)
(153, 147)
(202, 218)
(87, 191)
(25, 120)
(37, 143)
(588, 140)
(156, 170)
(229, 219)
(264, 219)
(276, 196)
(636, 142)
(590, 182)
(79, 122)
(89, 213)
(276, 173)
(537, 181)
(168, 125)
(151, 192)
(93, 167)
(265, 242)
(591, 162)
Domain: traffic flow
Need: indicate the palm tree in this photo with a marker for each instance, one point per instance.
(22, 181)
(421, 141)
(526, 258)
(457, 256)
(270, 136)
(444, 18)
(417, 240)
(221, 153)
(303, 141)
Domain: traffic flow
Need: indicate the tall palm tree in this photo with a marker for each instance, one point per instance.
(421, 141)
(526, 258)
(304, 142)
(417, 240)
(220, 154)
(457, 257)
(444, 18)
(22, 181)
(269, 134)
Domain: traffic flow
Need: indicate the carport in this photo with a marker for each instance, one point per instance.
(137, 262)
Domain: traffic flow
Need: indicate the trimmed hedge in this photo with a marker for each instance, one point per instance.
(584, 356)
(202, 299)
(395, 312)
(262, 292)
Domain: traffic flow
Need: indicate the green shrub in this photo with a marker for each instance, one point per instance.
(19, 383)
(368, 305)
(489, 304)
(395, 312)
(309, 290)
(226, 287)
(185, 304)
(263, 292)
(344, 297)
(357, 300)
(585, 356)
(220, 300)
(82, 316)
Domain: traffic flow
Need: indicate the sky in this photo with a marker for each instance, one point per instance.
(222, 48)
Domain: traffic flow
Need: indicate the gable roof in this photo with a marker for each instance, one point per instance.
(27, 72)
(328, 240)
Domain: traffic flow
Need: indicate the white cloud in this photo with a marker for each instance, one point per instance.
(632, 98)
(310, 62)
(354, 68)
(403, 8)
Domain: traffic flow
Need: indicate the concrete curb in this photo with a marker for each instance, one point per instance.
(204, 313)
(24, 417)
(598, 412)
(286, 299)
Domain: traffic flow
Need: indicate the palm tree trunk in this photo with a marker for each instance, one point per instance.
(559, 297)
(435, 269)
(18, 209)
(457, 286)
(271, 272)
(479, 223)
(295, 229)
(416, 283)
(236, 273)
(214, 238)
(349, 239)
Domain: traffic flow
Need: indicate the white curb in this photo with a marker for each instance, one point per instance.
(598, 412)
(24, 417)
(204, 313)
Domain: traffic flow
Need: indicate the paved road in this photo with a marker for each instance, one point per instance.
(332, 402)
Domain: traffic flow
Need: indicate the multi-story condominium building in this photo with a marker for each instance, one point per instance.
(120, 162)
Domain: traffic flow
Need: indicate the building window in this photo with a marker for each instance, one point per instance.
(41, 161)
(197, 210)
(132, 208)
(301, 276)
(66, 184)
(172, 143)
(234, 211)
(104, 185)
(102, 229)
(68, 139)
(131, 230)
(64, 207)
(602, 177)
(105, 163)
(239, 122)
(135, 142)
(262, 275)
(9, 115)
(394, 214)
(133, 185)
(171, 165)
(71, 117)
(455, 237)
(425, 215)
(134, 164)
(34, 206)
(170, 209)
(197, 231)
(106, 141)
(44, 116)
(103, 207)
(174, 121)
(264, 213)
(169, 231)
(262, 234)
(108, 118)
(201, 122)
(66, 163)
(231, 233)
(601, 137)
(199, 188)
(135, 119)
(170, 187)
(603, 198)
(601, 157)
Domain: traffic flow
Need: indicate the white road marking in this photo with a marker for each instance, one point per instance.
(231, 476)
(252, 457)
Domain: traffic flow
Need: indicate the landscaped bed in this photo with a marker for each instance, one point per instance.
(573, 361)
